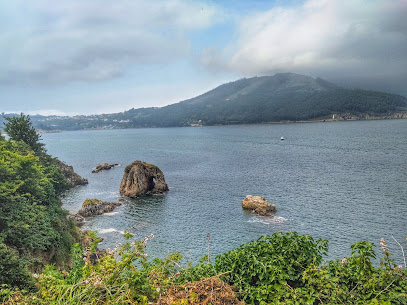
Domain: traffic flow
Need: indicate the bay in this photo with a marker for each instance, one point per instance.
(341, 181)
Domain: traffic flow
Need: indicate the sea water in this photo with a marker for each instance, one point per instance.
(341, 181)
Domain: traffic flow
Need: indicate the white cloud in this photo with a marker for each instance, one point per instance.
(330, 38)
(94, 40)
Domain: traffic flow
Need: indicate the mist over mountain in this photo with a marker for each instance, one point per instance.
(281, 97)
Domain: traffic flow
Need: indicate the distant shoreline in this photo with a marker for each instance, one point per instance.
(396, 116)
(402, 116)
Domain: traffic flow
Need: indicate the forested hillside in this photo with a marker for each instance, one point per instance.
(282, 97)
(271, 99)
(33, 227)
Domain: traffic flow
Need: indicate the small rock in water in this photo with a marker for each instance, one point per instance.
(92, 207)
(259, 205)
(104, 166)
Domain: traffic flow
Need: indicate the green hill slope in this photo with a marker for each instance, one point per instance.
(282, 97)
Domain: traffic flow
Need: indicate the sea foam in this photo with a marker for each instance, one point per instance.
(110, 230)
(269, 220)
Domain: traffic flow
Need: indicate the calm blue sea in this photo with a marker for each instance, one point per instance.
(342, 181)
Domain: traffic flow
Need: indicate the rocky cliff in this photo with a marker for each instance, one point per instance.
(141, 179)
(72, 178)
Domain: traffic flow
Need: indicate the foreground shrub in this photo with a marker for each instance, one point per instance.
(13, 270)
(100, 280)
(261, 268)
(284, 268)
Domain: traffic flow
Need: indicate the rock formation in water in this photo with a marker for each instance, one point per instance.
(141, 178)
(104, 166)
(259, 205)
(72, 178)
(92, 207)
(77, 219)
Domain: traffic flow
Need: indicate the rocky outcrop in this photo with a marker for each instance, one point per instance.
(72, 178)
(141, 179)
(259, 205)
(86, 239)
(77, 219)
(103, 166)
(92, 207)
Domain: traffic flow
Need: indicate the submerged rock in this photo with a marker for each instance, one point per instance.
(72, 178)
(92, 207)
(103, 166)
(141, 178)
(259, 205)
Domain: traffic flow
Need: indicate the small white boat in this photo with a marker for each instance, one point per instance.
(282, 139)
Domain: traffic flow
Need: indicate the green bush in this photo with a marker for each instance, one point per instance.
(259, 269)
(13, 270)
(285, 268)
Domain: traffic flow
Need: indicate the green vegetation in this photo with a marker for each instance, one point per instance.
(33, 227)
(20, 128)
(91, 202)
(284, 268)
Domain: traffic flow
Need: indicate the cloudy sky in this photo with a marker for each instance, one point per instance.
(101, 56)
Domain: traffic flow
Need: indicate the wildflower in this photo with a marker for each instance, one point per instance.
(400, 267)
(86, 281)
(97, 283)
(344, 261)
(35, 275)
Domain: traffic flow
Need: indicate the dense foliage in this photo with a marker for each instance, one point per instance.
(20, 128)
(33, 227)
(284, 268)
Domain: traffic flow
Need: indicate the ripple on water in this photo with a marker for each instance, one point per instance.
(109, 230)
(344, 182)
(111, 213)
(268, 220)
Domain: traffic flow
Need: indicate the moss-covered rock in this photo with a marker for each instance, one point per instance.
(92, 207)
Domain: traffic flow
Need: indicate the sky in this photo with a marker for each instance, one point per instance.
(71, 57)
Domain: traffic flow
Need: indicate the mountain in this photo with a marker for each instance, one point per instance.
(281, 97)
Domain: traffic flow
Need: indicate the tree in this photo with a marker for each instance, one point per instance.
(20, 128)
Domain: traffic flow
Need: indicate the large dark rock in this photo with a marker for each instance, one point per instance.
(72, 178)
(141, 178)
(259, 205)
(92, 207)
(103, 166)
